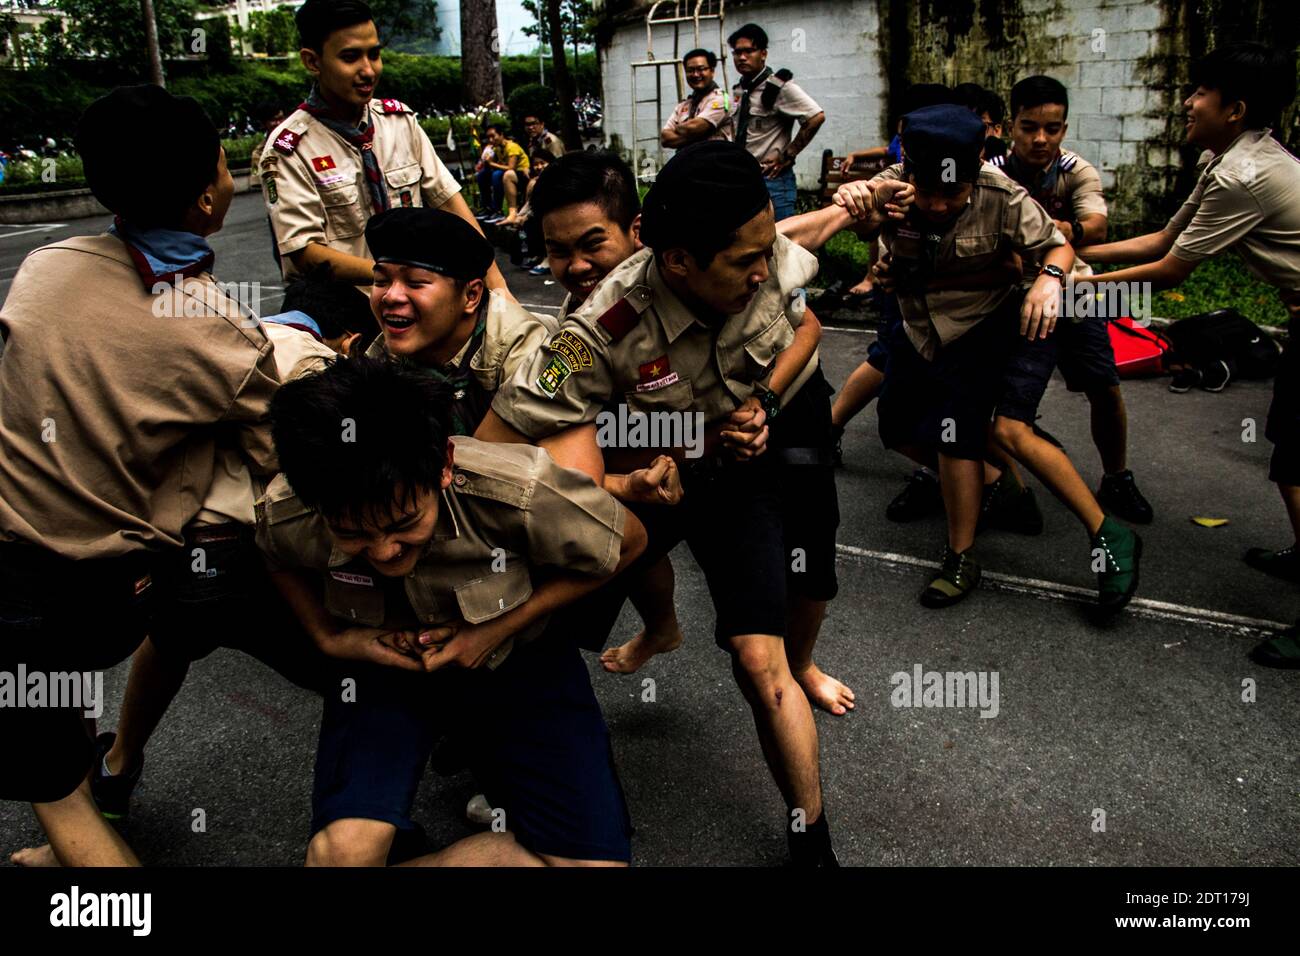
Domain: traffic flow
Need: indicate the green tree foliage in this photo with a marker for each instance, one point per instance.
(407, 25)
(272, 32)
(113, 30)
(577, 16)
(535, 99)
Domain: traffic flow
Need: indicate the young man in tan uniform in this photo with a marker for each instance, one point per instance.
(126, 365)
(1245, 200)
(341, 156)
(701, 115)
(539, 137)
(402, 548)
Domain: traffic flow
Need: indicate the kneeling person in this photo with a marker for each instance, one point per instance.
(435, 566)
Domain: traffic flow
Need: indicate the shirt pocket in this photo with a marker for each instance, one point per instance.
(970, 247)
(358, 603)
(677, 397)
(343, 214)
(493, 595)
(403, 179)
(762, 349)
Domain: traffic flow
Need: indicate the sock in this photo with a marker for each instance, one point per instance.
(812, 847)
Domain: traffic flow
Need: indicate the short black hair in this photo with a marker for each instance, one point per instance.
(969, 95)
(709, 55)
(499, 127)
(338, 307)
(540, 155)
(920, 95)
(1037, 90)
(751, 32)
(1260, 76)
(993, 105)
(595, 176)
(317, 19)
(362, 438)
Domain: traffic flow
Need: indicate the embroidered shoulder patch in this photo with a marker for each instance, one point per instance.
(573, 350)
(620, 319)
(392, 106)
(287, 141)
(553, 375)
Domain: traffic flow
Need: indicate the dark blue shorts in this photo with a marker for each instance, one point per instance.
(533, 732)
(1084, 354)
(1025, 375)
(878, 350)
(1283, 428)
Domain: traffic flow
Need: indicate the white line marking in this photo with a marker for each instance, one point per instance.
(844, 328)
(1053, 590)
(39, 227)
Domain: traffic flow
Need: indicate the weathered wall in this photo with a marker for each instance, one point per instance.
(1124, 62)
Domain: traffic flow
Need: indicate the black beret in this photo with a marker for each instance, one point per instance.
(942, 143)
(182, 138)
(429, 239)
(707, 190)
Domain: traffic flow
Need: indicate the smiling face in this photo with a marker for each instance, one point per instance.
(393, 542)
(1037, 132)
(424, 316)
(698, 73)
(584, 245)
(1211, 123)
(348, 67)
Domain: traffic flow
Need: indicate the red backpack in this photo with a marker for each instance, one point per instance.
(1139, 350)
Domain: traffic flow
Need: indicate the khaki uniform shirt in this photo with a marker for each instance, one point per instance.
(511, 336)
(999, 215)
(549, 142)
(1247, 199)
(634, 341)
(111, 409)
(1075, 194)
(770, 131)
(315, 189)
(712, 107)
(515, 498)
(234, 488)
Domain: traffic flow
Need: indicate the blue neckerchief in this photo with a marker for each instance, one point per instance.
(896, 149)
(162, 255)
(297, 320)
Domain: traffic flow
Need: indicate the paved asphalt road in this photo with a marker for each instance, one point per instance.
(1144, 720)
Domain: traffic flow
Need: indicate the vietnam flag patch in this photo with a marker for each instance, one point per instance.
(657, 369)
(322, 163)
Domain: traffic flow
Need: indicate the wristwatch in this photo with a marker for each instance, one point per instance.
(1054, 271)
(1076, 232)
(771, 403)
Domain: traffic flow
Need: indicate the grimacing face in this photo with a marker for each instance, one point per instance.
(583, 245)
(348, 67)
(394, 542)
(418, 310)
(943, 203)
(732, 279)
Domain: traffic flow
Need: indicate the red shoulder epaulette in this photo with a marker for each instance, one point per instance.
(619, 319)
(392, 106)
(287, 141)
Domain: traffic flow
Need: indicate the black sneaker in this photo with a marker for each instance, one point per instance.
(112, 793)
(837, 446)
(1185, 379)
(1284, 564)
(1282, 651)
(918, 499)
(1119, 495)
(1216, 377)
(1008, 506)
(958, 576)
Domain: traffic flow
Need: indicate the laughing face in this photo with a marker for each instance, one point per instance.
(584, 245)
(424, 316)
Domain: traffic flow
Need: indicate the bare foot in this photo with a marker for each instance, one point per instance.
(630, 657)
(42, 855)
(862, 288)
(825, 691)
(510, 220)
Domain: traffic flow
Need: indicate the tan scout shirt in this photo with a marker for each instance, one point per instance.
(713, 107)
(549, 142)
(1247, 199)
(512, 335)
(234, 488)
(110, 412)
(315, 189)
(545, 518)
(1076, 193)
(999, 216)
(634, 341)
(770, 131)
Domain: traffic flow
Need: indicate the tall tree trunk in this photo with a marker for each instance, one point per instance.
(480, 52)
(563, 78)
(574, 11)
(151, 41)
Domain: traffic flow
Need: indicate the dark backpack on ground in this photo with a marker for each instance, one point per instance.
(1225, 335)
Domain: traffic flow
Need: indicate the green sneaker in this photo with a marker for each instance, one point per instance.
(1284, 564)
(1010, 506)
(1118, 581)
(958, 576)
(1281, 651)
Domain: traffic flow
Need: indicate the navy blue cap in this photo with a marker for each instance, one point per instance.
(707, 190)
(942, 143)
(430, 239)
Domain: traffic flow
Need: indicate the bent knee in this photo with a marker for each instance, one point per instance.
(351, 842)
(1011, 433)
(761, 666)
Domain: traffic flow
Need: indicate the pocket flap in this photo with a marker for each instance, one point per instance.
(348, 598)
(976, 245)
(485, 598)
(764, 347)
(344, 195)
(403, 175)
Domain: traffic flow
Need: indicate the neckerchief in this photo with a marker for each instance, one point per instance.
(163, 255)
(297, 320)
(362, 137)
(747, 87)
(470, 400)
(1041, 184)
(697, 97)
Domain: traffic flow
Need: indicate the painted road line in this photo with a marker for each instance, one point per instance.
(39, 227)
(1055, 591)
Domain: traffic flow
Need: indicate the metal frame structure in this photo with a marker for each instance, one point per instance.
(672, 14)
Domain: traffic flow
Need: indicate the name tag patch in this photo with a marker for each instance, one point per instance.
(658, 383)
(347, 578)
(331, 180)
